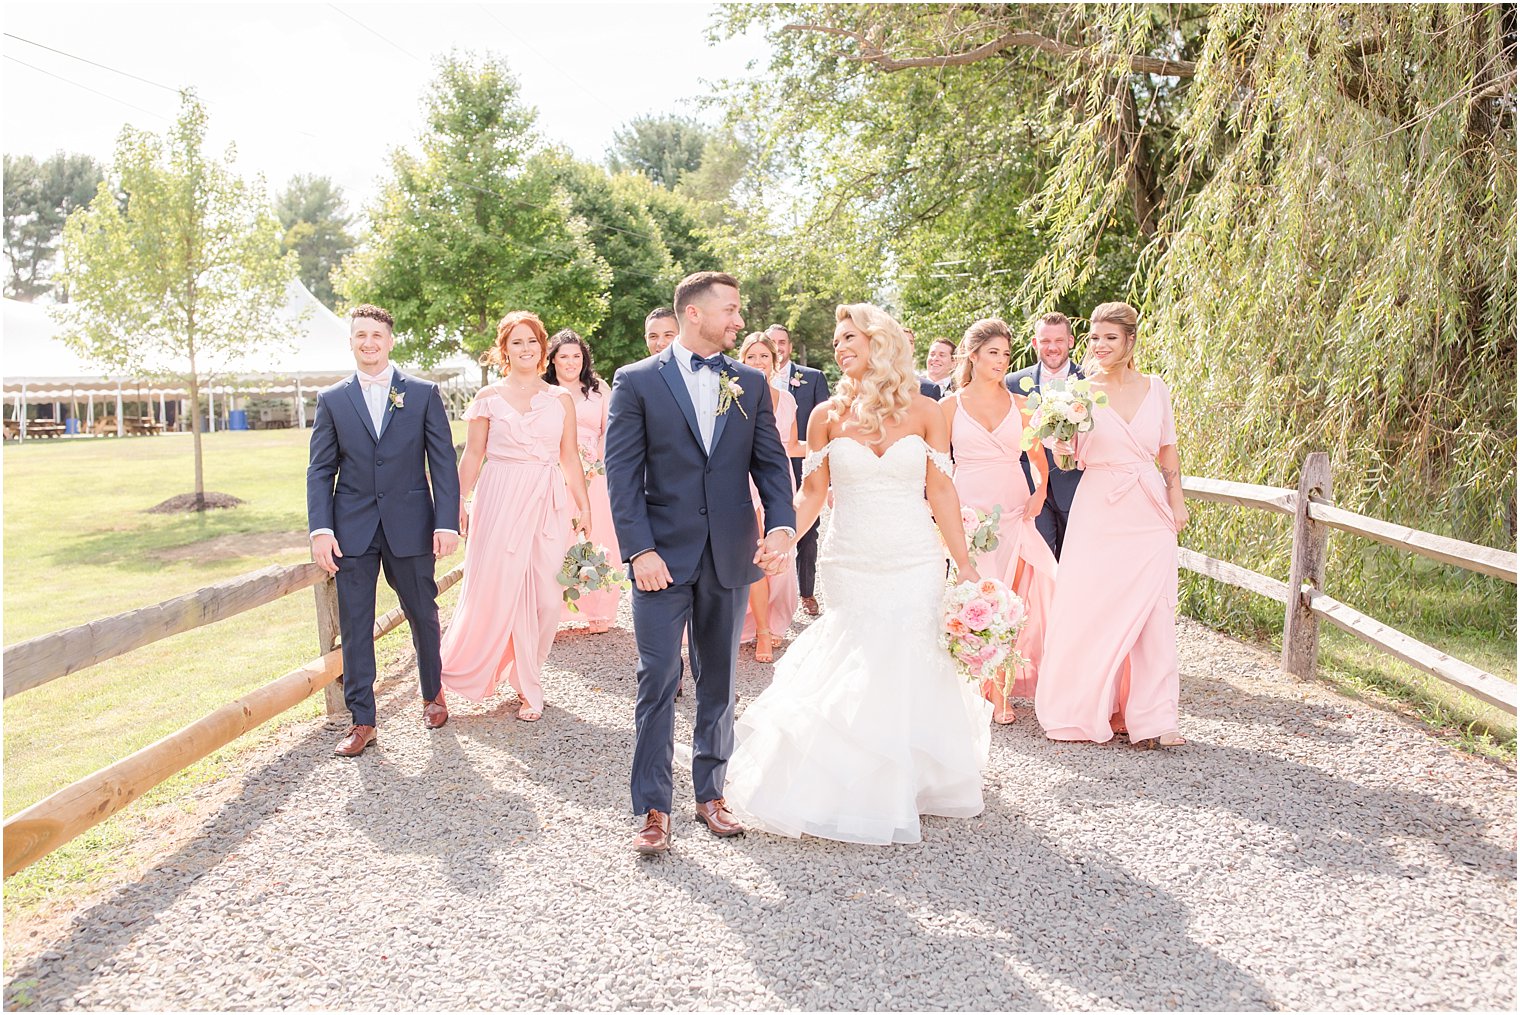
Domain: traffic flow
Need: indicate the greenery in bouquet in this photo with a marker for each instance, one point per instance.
(1062, 410)
(586, 569)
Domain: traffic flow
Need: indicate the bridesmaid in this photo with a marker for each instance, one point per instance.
(986, 423)
(570, 368)
(522, 449)
(772, 600)
(1111, 644)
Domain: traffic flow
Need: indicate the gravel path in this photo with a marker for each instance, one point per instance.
(1306, 852)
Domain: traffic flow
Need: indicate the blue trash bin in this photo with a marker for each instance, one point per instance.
(71, 425)
(237, 419)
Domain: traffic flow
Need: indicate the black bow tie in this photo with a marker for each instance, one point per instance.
(713, 362)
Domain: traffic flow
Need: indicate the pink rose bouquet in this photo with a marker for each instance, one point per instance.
(980, 621)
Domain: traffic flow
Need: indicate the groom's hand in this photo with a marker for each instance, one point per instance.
(324, 547)
(774, 552)
(650, 573)
(444, 543)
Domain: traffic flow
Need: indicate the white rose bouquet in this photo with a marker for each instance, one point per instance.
(1062, 410)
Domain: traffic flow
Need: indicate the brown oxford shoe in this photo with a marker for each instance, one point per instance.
(810, 605)
(357, 740)
(435, 713)
(654, 838)
(715, 815)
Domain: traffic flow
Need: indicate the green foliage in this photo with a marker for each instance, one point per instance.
(39, 197)
(470, 226)
(187, 270)
(662, 148)
(316, 225)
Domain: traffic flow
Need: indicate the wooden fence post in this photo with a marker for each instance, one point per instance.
(1301, 624)
(327, 640)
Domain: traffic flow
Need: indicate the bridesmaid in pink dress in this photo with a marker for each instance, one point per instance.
(772, 601)
(570, 368)
(1111, 643)
(521, 448)
(986, 422)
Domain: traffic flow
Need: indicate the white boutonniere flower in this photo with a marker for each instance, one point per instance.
(398, 399)
(796, 380)
(729, 391)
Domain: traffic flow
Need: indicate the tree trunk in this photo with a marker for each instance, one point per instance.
(195, 420)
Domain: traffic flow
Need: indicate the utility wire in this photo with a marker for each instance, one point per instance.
(376, 34)
(87, 88)
(93, 63)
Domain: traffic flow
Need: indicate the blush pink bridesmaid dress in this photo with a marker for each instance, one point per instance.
(987, 473)
(510, 600)
(1111, 641)
(591, 434)
(783, 587)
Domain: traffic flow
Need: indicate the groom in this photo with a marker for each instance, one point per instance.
(686, 430)
(380, 443)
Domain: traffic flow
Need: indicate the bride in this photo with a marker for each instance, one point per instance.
(866, 723)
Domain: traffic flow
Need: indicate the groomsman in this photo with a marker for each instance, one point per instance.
(810, 388)
(935, 382)
(1052, 343)
(660, 329)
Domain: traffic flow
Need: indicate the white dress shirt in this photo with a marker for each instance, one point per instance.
(702, 386)
(781, 379)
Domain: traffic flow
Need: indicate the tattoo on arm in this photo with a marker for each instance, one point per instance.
(1169, 477)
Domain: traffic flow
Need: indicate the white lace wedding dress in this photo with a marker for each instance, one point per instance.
(866, 724)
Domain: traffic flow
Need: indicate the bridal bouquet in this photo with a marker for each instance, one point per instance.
(1063, 410)
(980, 621)
(590, 465)
(981, 528)
(586, 570)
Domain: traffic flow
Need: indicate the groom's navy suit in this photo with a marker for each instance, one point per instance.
(692, 506)
(383, 494)
(1051, 521)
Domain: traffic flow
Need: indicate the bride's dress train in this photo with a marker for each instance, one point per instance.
(866, 724)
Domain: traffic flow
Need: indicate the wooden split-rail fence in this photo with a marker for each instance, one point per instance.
(49, 823)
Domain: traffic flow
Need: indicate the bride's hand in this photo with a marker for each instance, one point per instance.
(968, 573)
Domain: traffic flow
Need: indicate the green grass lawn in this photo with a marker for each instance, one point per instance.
(79, 545)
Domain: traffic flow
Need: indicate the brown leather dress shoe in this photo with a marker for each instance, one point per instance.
(810, 605)
(715, 815)
(654, 838)
(435, 713)
(357, 740)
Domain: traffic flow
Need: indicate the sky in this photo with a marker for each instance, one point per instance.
(331, 89)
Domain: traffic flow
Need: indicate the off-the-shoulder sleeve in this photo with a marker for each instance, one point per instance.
(478, 408)
(1168, 421)
(941, 460)
(814, 459)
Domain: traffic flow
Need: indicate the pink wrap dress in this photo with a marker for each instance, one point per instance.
(591, 435)
(1111, 640)
(510, 600)
(783, 587)
(988, 474)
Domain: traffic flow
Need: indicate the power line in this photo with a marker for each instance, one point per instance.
(93, 63)
(536, 52)
(87, 88)
(375, 33)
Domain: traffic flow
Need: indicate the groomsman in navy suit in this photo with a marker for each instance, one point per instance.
(382, 492)
(935, 382)
(810, 388)
(1052, 343)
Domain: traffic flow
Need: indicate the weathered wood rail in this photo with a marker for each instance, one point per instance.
(1303, 596)
(52, 821)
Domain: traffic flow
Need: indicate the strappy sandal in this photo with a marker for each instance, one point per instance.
(527, 713)
(766, 655)
(1173, 739)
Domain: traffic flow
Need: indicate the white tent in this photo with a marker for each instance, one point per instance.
(39, 368)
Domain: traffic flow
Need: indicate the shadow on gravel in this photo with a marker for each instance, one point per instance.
(1020, 923)
(1265, 714)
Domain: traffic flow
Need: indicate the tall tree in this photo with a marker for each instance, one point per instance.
(316, 224)
(188, 269)
(39, 197)
(663, 148)
(468, 229)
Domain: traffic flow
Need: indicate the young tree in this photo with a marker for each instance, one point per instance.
(316, 225)
(187, 269)
(467, 230)
(39, 196)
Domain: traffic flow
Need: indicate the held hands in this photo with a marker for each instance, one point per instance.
(774, 552)
(324, 547)
(444, 544)
(650, 573)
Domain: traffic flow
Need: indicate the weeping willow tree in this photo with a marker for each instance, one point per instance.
(1313, 206)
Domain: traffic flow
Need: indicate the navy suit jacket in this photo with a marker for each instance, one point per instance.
(403, 479)
(1063, 484)
(671, 496)
(812, 392)
(930, 389)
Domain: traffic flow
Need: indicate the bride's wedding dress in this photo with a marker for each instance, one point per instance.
(866, 724)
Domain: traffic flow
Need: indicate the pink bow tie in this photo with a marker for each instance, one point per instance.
(368, 382)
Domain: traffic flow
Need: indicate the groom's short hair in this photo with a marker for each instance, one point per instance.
(693, 286)
(374, 313)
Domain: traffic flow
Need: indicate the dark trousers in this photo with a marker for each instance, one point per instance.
(412, 578)
(807, 547)
(716, 616)
(1051, 521)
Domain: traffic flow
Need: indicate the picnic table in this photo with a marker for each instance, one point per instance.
(143, 425)
(34, 428)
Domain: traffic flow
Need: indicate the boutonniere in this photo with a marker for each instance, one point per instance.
(729, 391)
(398, 399)
(796, 380)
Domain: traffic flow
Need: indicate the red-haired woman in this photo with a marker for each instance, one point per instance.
(522, 449)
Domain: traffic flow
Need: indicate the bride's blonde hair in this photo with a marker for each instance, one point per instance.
(880, 398)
